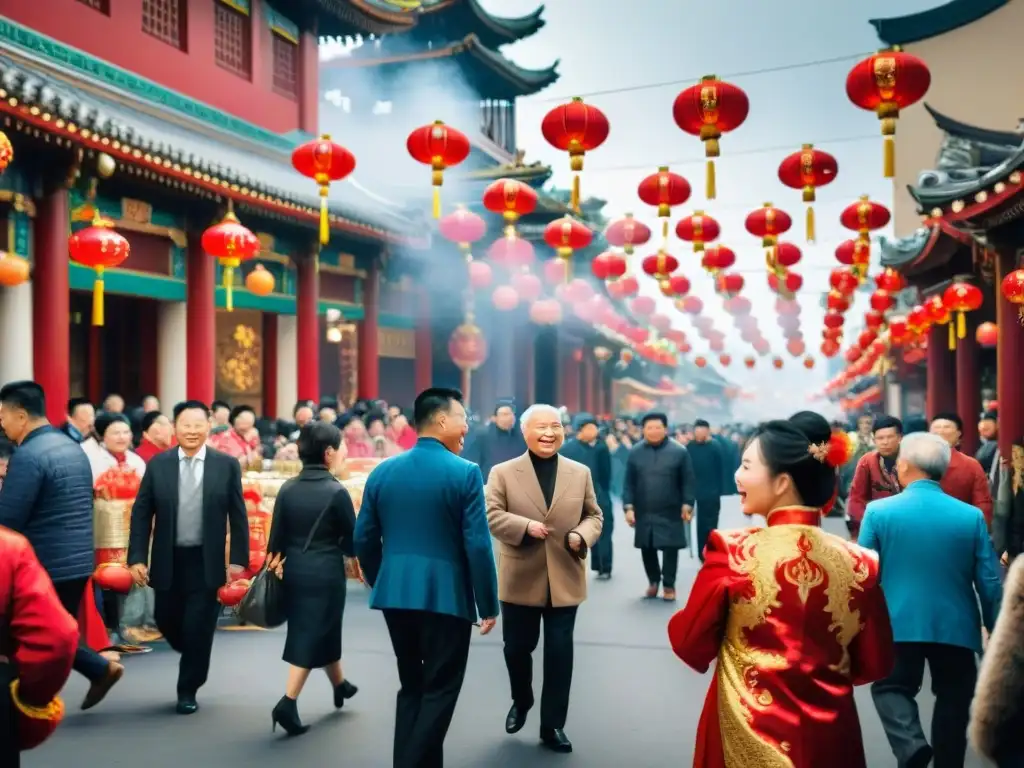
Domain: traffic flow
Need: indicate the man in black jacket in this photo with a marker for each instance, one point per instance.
(47, 497)
(709, 467)
(588, 449)
(499, 441)
(189, 497)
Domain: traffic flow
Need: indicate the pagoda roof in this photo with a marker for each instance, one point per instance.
(912, 28)
(535, 174)
(952, 127)
(348, 18)
(927, 248)
(172, 146)
(455, 19)
(482, 66)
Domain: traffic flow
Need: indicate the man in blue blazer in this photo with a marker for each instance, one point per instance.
(424, 547)
(937, 564)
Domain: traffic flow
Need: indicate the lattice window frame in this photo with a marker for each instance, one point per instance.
(232, 40)
(286, 76)
(101, 6)
(167, 21)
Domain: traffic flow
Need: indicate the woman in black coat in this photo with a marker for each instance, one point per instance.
(310, 535)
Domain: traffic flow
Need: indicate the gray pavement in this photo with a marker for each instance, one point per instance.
(633, 702)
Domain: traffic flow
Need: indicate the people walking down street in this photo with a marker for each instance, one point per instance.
(988, 430)
(875, 474)
(189, 498)
(589, 449)
(422, 541)
(937, 565)
(311, 534)
(965, 479)
(709, 466)
(39, 639)
(498, 441)
(794, 616)
(47, 496)
(658, 497)
(997, 711)
(543, 510)
(730, 458)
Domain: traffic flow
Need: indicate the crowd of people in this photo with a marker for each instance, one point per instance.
(794, 617)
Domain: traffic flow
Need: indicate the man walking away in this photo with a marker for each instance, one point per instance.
(47, 497)
(709, 468)
(937, 564)
(497, 441)
(590, 450)
(875, 475)
(657, 496)
(423, 544)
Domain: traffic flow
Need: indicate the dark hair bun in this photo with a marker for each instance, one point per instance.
(813, 425)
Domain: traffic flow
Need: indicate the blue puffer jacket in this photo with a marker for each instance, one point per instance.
(47, 497)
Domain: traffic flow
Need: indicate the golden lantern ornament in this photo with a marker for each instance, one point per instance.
(260, 281)
(6, 152)
(100, 247)
(14, 270)
(230, 243)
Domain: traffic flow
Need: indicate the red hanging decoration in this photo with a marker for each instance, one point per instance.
(576, 128)
(324, 162)
(1012, 289)
(627, 233)
(6, 152)
(608, 266)
(665, 190)
(863, 217)
(807, 170)
(566, 235)
(98, 246)
(440, 146)
(699, 229)
(716, 258)
(230, 243)
(962, 297)
(510, 199)
(709, 109)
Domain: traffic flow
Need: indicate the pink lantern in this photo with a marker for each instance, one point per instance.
(660, 323)
(578, 290)
(691, 305)
(511, 251)
(505, 298)
(462, 227)
(555, 271)
(624, 287)
(642, 306)
(480, 274)
(795, 347)
(527, 285)
(546, 312)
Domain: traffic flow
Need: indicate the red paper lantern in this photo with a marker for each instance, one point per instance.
(987, 335)
(709, 109)
(100, 247)
(624, 287)
(576, 128)
(6, 152)
(324, 162)
(829, 348)
(480, 274)
(527, 285)
(259, 281)
(700, 362)
(511, 251)
(806, 170)
(786, 255)
(787, 285)
(505, 298)
(627, 233)
(115, 577)
(546, 312)
(784, 306)
(866, 338)
(440, 146)
(725, 360)
(699, 229)
(14, 270)
(642, 306)
(230, 243)
(691, 305)
(675, 286)
(795, 347)
(462, 227)
(608, 266)
(1012, 289)
(834, 320)
(882, 301)
(510, 198)
(664, 190)
(729, 284)
(854, 253)
(918, 319)
(890, 280)
(750, 362)
(777, 362)
(863, 217)
(885, 83)
(768, 222)
(874, 319)
(660, 265)
(843, 281)
(898, 331)
(566, 235)
(836, 302)
(962, 297)
(832, 334)
(737, 306)
(808, 363)
(716, 258)
(467, 347)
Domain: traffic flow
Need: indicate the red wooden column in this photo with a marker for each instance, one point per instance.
(940, 391)
(51, 302)
(269, 405)
(589, 382)
(1010, 347)
(201, 323)
(307, 328)
(968, 387)
(369, 337)
(424, 343)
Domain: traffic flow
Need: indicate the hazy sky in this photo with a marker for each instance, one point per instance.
(632, 58)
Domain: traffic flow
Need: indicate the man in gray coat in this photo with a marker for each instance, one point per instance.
(658, 495)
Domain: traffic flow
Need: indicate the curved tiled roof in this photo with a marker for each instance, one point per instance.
(454, 19)
(902, 30)
(973, 133)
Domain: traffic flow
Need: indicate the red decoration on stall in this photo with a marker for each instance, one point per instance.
(114, 576)
(230, 243)
(709, 109)
(885, 83)
(699, 229)
(100, 247)
(576, 128)
(440, 146)
(987, 335)
(510, 198)
(324, 162)
(1012, 289)
(6, 152)
(627, 233)
(806, 170)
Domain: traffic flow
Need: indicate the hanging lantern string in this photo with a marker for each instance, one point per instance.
(325, 222)
(952, 333)
(809, 198)
(437, 180)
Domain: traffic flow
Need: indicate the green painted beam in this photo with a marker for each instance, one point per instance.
(128, 283)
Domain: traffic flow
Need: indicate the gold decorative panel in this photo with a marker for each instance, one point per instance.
(136, 211)
(239, 356)
(397, 342)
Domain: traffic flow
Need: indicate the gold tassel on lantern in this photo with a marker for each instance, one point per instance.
(437, 178)
(952, 335)
(709, 181)
(889, 147)
(810, 224)
(711, 151)
(325, 224)
(97, 298)
(229, 265)
(961, 325)
(574, 196)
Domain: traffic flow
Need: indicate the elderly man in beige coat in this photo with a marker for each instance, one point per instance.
(542, 509)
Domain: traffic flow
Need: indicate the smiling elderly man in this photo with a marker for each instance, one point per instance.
(542, 509)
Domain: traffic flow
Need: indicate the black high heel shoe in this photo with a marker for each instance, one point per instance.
(343, 690)
(286, 714)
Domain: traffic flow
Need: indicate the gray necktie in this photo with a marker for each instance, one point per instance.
(190, 482)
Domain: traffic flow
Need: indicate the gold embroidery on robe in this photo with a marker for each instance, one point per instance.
(1017, 460)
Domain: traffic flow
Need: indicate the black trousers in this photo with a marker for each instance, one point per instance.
(87, 663)
(954, 673)
(431, 650)
(520, 626)
(601, 553)
(663, 572)
(187, 616)
(707, 520)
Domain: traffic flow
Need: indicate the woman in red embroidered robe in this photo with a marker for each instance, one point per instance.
(794, 616)
(240, 440)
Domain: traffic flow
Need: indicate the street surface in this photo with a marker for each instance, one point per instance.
(633, 702)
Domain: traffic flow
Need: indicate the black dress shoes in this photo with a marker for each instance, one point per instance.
(343, 690)
(516, 719)
(186, 705)
(286, 714)
(555, 740)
